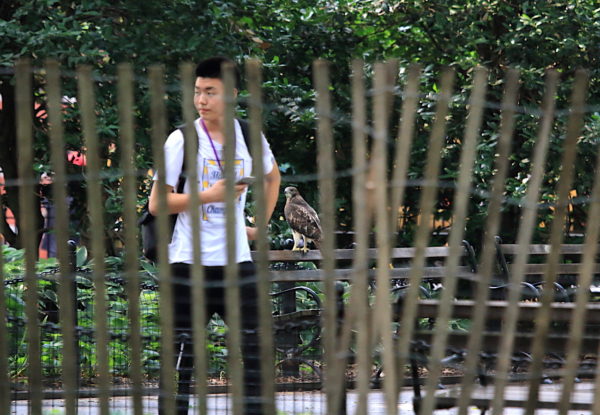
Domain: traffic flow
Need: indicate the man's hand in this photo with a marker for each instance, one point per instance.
(216, 193)
(252, 233)
(272, 182)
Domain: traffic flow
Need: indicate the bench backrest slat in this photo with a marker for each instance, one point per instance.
(348, 254)
(491, 341)
(495, 310)
(539, 269)
(347, 274)
(543, 249)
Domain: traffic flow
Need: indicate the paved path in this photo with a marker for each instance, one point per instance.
(310, 403)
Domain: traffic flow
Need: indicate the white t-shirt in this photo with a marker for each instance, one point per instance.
(212, 215)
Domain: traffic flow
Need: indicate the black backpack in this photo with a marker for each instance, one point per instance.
(147, 222)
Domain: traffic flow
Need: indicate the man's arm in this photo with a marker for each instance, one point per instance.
(272, 184)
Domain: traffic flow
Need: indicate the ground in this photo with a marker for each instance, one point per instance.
(311, 403)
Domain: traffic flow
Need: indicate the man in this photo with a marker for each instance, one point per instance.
(209, 101)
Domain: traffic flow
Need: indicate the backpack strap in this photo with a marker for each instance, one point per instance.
(245, 126)
(181, 181)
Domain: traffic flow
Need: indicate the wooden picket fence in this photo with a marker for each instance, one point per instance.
(385, 323)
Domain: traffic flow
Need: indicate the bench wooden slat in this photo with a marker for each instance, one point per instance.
(491, 341)
(308, 275)
(295, 315)
(543, 249)
(348, 254)
(528, 310)
(540, 269)
(515, 395)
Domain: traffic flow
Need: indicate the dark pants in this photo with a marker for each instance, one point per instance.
(215, 303)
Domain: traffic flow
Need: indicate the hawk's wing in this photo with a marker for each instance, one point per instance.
(302, 218)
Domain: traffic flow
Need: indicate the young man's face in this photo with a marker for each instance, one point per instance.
(209, 98)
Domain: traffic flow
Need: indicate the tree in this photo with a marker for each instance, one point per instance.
(287, 35)
(103, 34)
(530, 36)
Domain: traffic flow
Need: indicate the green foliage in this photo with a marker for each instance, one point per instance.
(288, 35)
(216, 348)
(117, 316)
(117, 319)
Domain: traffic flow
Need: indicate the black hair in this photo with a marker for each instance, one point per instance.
(211, 68)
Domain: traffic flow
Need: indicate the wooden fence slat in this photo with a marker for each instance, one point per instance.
(557, 233)
(326, 172)
(461, 199)
(66, 284)
(94, 194)
(125, 103)
(426, 204)
(255, 104)
(523, 239)
(232, 281)
(28, 228)
(404, 142)
(359, 302)
(197, 277)
(159, 132)
(580, 315)
(488, 255)
(382, 313)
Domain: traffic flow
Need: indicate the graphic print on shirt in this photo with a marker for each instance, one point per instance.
(211, 172)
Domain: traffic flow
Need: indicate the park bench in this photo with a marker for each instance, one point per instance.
(555, 347)
(298, 307)
(567, 272)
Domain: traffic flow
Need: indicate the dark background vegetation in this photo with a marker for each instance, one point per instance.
(287, 36)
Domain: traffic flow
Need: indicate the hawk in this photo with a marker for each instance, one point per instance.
(303, 220)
